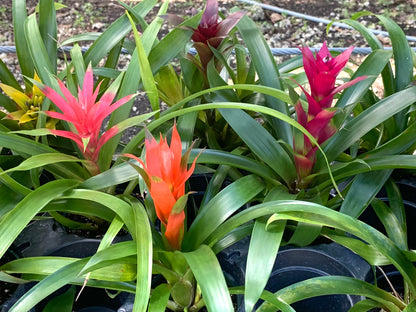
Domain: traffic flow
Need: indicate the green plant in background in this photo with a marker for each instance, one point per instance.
(89, 15)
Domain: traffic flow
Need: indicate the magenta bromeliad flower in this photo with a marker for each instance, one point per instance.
(322, 73)
(211, 32)
(84, 114)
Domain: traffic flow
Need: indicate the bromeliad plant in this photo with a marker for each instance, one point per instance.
(165, 174)
(322, 74)
(281, 154)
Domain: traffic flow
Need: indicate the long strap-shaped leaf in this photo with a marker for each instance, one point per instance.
(218, 209)
(170, 112)
(261, 143)
(317, 214)
(38, 51)
(15, 221)
(208, 274)
(148, 80)
(144, 246)
(266, 69)
(403, 62)
(114, 34)
(261, 257)
(375, 44)
(371, 67)
(366, 121)
(48, 29)
(328, 285)
(19, 17)
(363, 190)
(25, 146)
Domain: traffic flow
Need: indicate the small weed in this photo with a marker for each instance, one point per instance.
(88, 16)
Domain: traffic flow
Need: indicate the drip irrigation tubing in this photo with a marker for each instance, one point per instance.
(316, 19)
(275, 51)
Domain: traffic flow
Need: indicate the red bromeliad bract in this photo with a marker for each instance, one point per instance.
(212, 32)
(165, 174)
(85, 114)
(322, 73)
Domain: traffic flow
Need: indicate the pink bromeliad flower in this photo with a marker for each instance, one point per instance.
(84, 114)
(322, 73)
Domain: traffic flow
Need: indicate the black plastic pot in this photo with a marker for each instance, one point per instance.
(46, 237)
(295, 264)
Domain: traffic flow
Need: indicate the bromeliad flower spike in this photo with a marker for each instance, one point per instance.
(322, 73)
(211, 32)
(165, 174)
(85, 115)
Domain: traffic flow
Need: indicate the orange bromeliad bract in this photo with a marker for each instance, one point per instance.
(165, 174)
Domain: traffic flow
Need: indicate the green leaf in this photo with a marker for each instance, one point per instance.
(262, 252)
(393, 228)
(365, 305)
(113, 176)
(375, 44)
(367, 121)
(118, 206)
(114, 34)
(371, 67)
(6, 77)
(48, 30)
(19, 11)
(209, 156)
(13, 185)
(38, 51)
(78, 62)
(145, 71)
(411, 307)
(208, 274)
(363, 190)
(41, 160)
(62, 302)
(316, 214)
(218, 209)
(159, 298)
(367, 252)
(172, 44)
(71, 224)
(403, 62)
(266, 69)
(402, 53)
(143, 237)
(329, 285)
(15, 221)
(24, 147)
(261, 143)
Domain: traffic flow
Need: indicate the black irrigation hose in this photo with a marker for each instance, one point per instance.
(275, 51)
